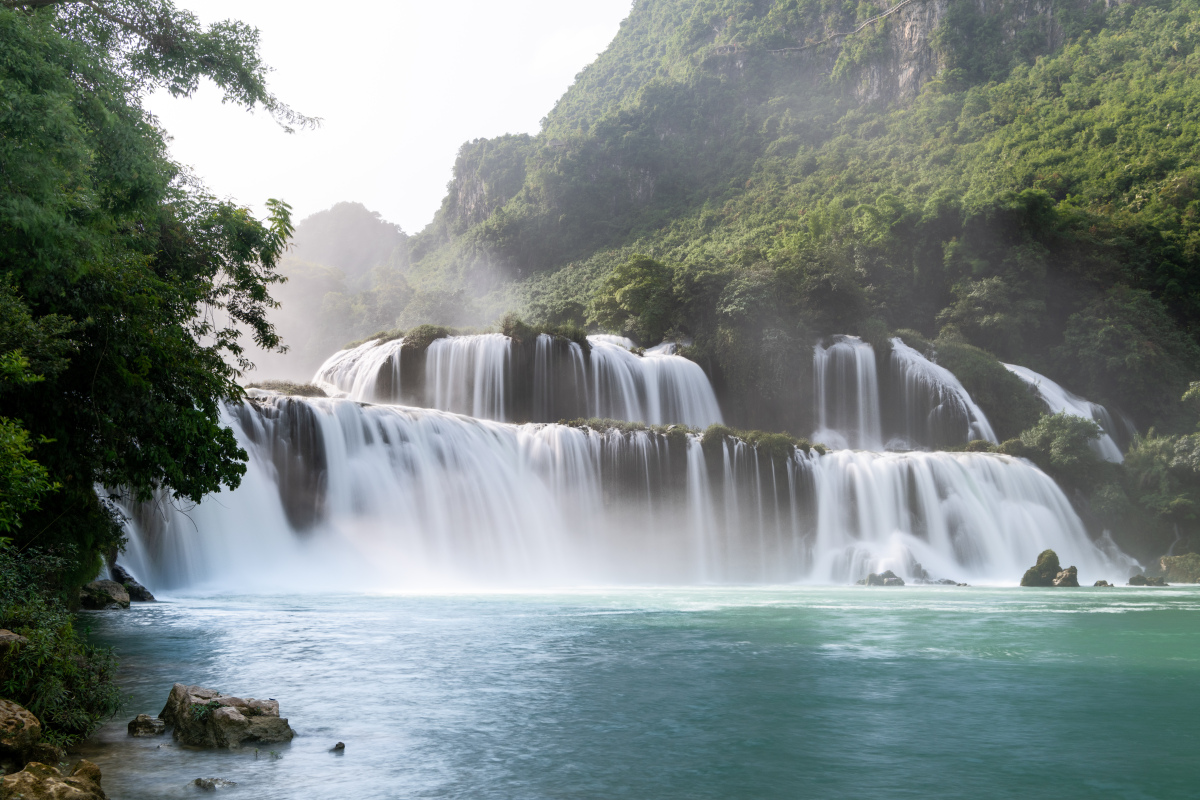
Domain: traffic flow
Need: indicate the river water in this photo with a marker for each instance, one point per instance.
(677, 693)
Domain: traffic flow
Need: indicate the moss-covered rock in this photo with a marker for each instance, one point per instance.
(1044, 572)
(1146, 580)
(289, 387)
(1181, 569)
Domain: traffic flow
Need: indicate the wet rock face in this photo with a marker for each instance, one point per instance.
(1144, 580)
(137, 592)
(146, 725)
(101, 595)
(206, 718)
(42, 782)
(1103, 584)
(1181, 569)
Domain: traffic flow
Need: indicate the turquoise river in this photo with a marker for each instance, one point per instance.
(784, 692)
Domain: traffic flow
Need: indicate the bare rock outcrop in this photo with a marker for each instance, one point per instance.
(43, 782)
(101, 595)
(206, 718)
(146, 725)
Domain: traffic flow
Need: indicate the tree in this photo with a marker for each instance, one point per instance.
(129, 285)
(637, 299)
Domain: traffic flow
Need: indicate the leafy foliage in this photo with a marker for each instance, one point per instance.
(69, 685)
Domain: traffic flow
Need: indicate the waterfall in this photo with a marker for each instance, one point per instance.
(846, 394)
(490, 376)
(339, 495)
(918, 404)
(1058, 399)
(936, 409)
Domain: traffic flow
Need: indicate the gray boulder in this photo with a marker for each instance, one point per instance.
(20, 730)
(1146, 580)
(100, 595)
(887, 578)
(206, 718)
(212, 784)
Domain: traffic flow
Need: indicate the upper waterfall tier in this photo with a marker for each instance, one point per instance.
(917, 404)
(491, 376)
(340, 495)
(1058, 399)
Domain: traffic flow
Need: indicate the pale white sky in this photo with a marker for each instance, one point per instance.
(400, 86)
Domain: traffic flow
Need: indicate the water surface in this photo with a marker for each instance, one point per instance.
(678, 693)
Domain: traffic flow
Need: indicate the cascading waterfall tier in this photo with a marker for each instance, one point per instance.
(491, 376)
(341, 495)
(916, 404)
(1057, 399)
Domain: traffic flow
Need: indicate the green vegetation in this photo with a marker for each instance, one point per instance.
(289, 387)
(69, 685)
(125, 290)
(1044, 572)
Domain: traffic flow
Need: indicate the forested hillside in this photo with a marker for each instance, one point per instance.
(1002, 181)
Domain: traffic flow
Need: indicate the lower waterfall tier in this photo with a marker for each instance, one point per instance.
(338, 495)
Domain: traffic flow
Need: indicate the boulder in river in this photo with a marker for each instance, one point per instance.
(1181, 569)
(146, 725)
(99, 595)
(1068, 577)
(1047, 572)
(1103, 583)
(137, 592)
(212, 784)
(206, 718)
(887, 578)
(43, 782)
(1146, 580)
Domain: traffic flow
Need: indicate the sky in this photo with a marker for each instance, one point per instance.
(400, 86)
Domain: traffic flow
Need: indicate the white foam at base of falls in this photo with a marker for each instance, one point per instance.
(1059, 400)
(414, 499)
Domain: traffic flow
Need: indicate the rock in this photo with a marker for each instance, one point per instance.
(212, 784)
(1103, 583)
(1144, 580)
(137, 592)
(206, 718)
(43, 782)
(99, 595)
(146, 725)
(1044, 572)
(8, 637)
(19, 729)
(340, 747)
(1181, 569)
(1068, 577)
(46, 754)
(887, 578)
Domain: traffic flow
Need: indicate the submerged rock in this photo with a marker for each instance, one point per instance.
(1181, 569)
(146, 725)
(137, 592)
(99, 595)
(43, 782)
(340, 747)
(212, 784)
(1048, 572)
(1145, 580)
(1068, 577)
(206, 718)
